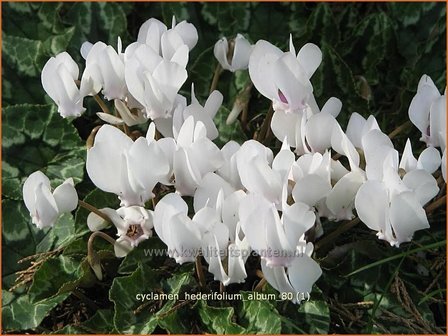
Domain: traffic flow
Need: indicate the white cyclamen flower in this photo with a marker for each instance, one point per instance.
(134, 225)
(153, 81)
(298, 278)
(58, 80)
(389, 204)
(104, 70)
(428, 112)
(44, 206)
(126, 168)
(195, 156)
(275, 239)
(239, 59)
(176, 229)
(284, 77)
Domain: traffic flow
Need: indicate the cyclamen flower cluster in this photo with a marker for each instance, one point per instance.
(245, 198)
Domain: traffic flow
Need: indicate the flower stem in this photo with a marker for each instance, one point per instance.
(92, 256)
(102, 104)
(200, 272)
(399, 129)
(434, 205)
(341, 229)
(260, 285)
(266, 125)
(91, 208)
(216, 75)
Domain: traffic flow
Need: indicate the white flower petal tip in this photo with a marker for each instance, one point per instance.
(46, 207)
(58, 80)
(233, 55)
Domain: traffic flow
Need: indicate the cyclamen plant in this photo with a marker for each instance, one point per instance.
(245, 198)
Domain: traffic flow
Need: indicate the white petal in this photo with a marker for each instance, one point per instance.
(241, 53)
(429, 160)
(122, 247)
(372, 203)
(188, 32)
(423, 184)
(407, 216)
(220, 51)
(310, 189)
(303, 273)
(236, 270)
(284, 125)
(208, 190)
(85, 49)
(46, 212)
(261, 69)
(340, 200)
(297, 219)
(354, 129)
(30, 186)
(104, 160)
(109, 118)
(333, 106)
(66, 197)
(150, 33)
(310, 57)
(408, 162)
(319, 130)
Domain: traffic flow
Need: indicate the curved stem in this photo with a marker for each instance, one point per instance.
(92, 256)
(399, 129)
(216, 75)
(102, 104)
(91, 208)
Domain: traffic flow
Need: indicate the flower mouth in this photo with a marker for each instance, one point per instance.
(282, 97)
(134, 232)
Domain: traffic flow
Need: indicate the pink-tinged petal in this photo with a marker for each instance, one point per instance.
(354, 129)
(311, 189)
(340, 200)
(333, 106)
(29, 189)
(303, 273)
(293, 86)
(66, 197)
(261, 69)
(429, 160)
(407, 216)
(419, 108)
(372, 203)
(423, 184)
(284, 125)
(310, 57)
(319, 130)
